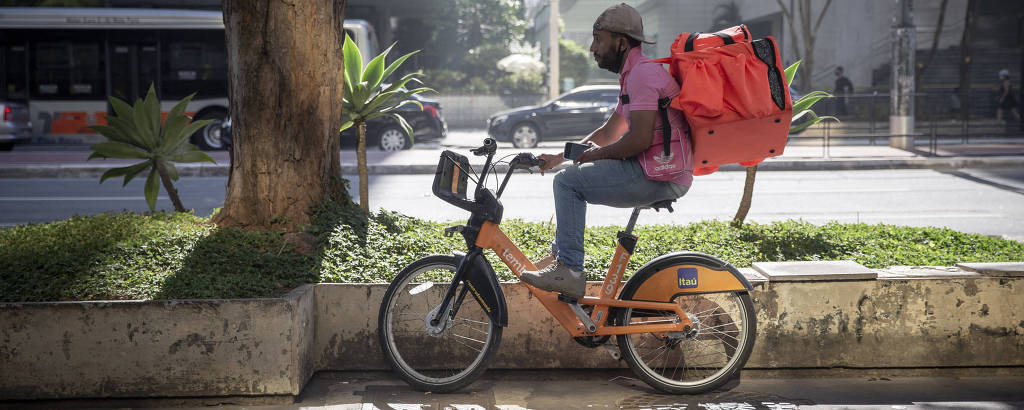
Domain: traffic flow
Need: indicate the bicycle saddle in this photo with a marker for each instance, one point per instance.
(658, 206)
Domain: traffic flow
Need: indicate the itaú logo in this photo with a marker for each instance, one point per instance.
(688, 278)
(512, 262)
(616, 274)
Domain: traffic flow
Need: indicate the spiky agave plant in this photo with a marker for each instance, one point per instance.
(137, 132)
(366, 98)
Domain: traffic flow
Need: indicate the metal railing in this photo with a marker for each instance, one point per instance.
(939, 120)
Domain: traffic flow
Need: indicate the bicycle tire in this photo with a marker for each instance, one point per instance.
(443, 363)
(690, 364)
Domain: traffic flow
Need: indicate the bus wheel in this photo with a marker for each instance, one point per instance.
(208, 138)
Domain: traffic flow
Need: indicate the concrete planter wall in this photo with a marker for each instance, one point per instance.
(157, 348)
(905, 318)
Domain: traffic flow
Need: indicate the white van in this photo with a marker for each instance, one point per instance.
(365, 38)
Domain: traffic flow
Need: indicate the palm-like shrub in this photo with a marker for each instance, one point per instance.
(801, 109)
(136, 132)
(366, 98)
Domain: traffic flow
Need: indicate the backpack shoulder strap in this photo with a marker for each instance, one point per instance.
(666, 127)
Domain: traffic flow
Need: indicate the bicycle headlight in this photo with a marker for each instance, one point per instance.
(499, 119)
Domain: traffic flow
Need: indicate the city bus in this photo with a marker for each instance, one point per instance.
(65, 62)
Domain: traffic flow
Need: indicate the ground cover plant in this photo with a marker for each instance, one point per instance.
(174, 255)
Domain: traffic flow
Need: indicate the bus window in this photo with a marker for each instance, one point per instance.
(68, 70)
(149, 63)
(194, 62)
(15, 78)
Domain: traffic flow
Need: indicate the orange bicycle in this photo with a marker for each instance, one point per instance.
(684, 322)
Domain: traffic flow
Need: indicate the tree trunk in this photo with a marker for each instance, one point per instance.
(172, 192)
(801, 15)
(923, 66)
(364, 189)
(965, 60)
(285, 75)
(748, 195)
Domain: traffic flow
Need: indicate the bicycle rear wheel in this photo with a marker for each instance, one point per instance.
(695, 362)
(442, 360)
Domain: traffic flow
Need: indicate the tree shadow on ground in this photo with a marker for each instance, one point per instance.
(235, 263)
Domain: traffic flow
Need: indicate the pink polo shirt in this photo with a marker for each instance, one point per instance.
(646, 82)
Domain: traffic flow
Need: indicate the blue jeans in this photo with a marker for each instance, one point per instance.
(618, 183)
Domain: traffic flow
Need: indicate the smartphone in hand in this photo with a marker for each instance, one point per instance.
(574, 150)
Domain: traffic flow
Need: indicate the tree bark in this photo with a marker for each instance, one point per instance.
(748, 195)
(286, 70)
(364, 189)
(172, 192)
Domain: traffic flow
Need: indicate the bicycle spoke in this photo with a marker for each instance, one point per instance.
(467, 345)
(441, 362)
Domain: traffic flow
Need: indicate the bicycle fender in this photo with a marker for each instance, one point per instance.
(670, 275)
(483, 285)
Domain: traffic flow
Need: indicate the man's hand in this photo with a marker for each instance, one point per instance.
(590, 155)
(550, 161)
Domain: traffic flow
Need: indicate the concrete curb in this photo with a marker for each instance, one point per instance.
(835, 164)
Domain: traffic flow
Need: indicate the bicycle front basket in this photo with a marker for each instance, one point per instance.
(451, 178)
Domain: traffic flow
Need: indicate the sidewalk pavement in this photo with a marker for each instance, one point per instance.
(617, 389)
(74, 164)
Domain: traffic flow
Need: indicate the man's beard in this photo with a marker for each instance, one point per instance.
(612, 62)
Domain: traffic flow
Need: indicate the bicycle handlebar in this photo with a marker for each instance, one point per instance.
(488, 148)
(526, 160)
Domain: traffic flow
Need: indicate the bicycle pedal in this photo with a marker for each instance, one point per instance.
(567, 299)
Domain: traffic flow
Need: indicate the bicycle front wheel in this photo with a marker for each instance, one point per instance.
(434, 359)
(701, 360)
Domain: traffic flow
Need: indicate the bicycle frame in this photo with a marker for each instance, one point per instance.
(491, 237)
(482, 232)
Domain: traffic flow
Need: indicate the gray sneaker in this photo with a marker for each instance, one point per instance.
(557, 277)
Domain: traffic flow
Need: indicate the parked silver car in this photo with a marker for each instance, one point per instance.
(15, 127)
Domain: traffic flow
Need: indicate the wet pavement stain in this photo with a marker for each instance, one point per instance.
(404, 398)
(724, 400)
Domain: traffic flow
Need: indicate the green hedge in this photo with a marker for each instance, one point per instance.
(165, 256)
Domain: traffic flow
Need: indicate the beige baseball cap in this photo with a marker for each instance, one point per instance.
(624, 19)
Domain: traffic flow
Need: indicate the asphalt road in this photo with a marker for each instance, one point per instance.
(986, 201)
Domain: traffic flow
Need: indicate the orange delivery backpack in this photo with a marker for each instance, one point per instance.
(734, 95)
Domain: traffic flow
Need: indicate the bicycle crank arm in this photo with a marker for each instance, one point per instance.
(583, 317)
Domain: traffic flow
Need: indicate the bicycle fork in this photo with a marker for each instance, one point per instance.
(478, 279)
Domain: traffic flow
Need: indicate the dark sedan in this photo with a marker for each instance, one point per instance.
(384, 132)
(571, 115)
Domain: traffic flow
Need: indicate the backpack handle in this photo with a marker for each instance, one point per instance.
(727, 39)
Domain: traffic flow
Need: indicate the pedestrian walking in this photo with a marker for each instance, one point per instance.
(842, 91)
(1005, 100)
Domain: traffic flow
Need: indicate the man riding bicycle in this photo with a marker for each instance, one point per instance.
(609, 172)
